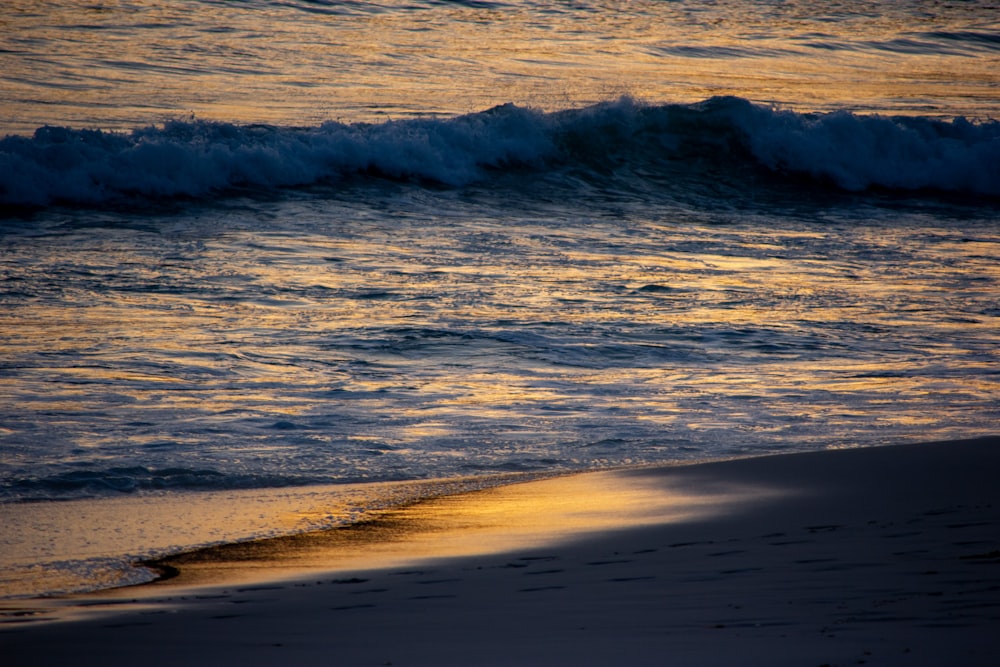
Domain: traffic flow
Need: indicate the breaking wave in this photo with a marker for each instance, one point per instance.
(198, 159)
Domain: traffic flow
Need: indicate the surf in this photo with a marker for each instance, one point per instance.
(210, 159)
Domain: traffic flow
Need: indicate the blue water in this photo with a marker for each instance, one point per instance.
(260, 244)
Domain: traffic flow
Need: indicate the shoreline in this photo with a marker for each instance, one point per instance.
(86, 546)
(886, 555)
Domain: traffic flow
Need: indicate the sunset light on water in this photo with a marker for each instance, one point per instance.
(270, 269)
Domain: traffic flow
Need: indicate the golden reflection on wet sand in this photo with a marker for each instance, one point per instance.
(521, 516)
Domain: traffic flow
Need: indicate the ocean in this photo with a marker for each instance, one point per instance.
(255, 252)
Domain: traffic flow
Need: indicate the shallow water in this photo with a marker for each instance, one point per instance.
(410, 333)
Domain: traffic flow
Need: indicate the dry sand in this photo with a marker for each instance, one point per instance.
(882, 556)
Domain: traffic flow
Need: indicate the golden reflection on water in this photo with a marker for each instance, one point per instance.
(108, 66)
(485, 335)
(473, 349)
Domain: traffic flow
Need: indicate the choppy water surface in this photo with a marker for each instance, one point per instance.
(406, 332)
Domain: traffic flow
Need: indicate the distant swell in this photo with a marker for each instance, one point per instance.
(204, 159)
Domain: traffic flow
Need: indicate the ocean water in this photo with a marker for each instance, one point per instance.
(247, 249)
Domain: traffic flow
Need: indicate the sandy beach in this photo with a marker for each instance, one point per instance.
(879, 556)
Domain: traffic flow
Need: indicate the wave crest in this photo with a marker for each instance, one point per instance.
(204, 158)
(858, 152)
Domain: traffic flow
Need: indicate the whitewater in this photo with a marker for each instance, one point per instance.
(203, 158)
(269, 266)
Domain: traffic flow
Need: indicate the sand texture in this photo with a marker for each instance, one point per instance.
(881, 556)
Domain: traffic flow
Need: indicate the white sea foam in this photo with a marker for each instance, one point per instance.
(200, 158)
(196, 158)
(857, 152)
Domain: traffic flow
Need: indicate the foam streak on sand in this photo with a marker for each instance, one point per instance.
(880, 556)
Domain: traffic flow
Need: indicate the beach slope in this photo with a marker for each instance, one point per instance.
(877, 556)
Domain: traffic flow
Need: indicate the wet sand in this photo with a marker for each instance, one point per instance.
(881, 556)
